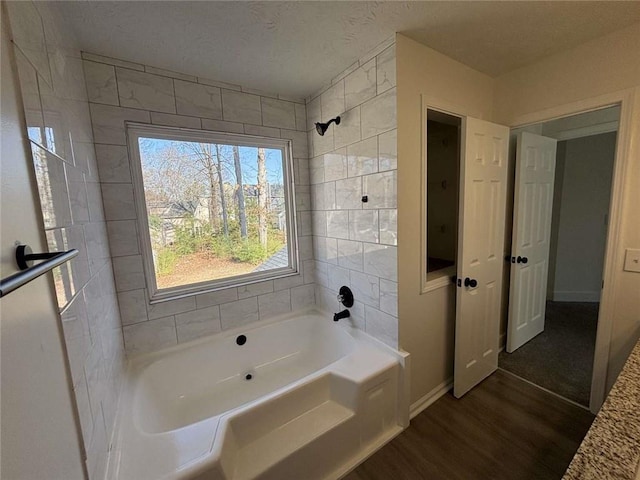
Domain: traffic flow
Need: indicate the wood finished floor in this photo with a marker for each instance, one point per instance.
(503, 429)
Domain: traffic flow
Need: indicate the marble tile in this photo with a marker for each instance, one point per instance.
(84, 409)
(112, 61)
(113, 163)
(150, 336)
(261, 131)
(304, 223)
(326, 300)
(255, 289)
(198, 323)
(313, 114)
(128, 273)
(357, 319)
(170, 73)
(350, 255)
(299, 146)
(77, 194)
(108, 122)
(75, 323)
(349, 194)
(378, 115)
(338, 224)
(63, 280)
(381, 260)
(317, 197)
(303, 198)
(319, 223)
(305, 248)
(316, 170)
(381, 188)
(389, 297)
(321, 144)
(74, 237)
(241, 107)
(335, 165)
(133, 306)
(302, 297)
(386, 66)
(278, 113)
(388, 221)
(331, 249)
(301, 117)
(94, 198)
(309, 271)
(236, 314)
(321, 273)
(97, 245)
(338, 277)
(301, 174)
(57, 126)
(332, 101)
(363, 225)
(30, 97)
(123, 238)
(216, 298)
(28, 34)
(221, 126)
(276, 303)
(67, 76)
(289, 282)
(382, 326)
(360, 85)
(52, 188)
(169, 120)
(363, 157)
(118, 201)
(145, 91)
(388, 150)
(198, 100)
(348, 131)
(171, 307)
(366, 288)
(216, 83)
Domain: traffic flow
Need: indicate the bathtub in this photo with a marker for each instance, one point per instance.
(301, 397)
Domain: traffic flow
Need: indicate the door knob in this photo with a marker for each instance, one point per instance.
(522, 259)
(470, 282)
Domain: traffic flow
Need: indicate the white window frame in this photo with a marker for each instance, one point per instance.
(135, 131)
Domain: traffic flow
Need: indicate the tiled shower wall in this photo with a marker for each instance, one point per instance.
(121, 91)
(57, 112)
(354, 241)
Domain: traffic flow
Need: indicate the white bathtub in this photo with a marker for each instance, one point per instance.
(303, 397)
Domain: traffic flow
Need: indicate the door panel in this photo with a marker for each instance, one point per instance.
(533, 198)
(480, 249)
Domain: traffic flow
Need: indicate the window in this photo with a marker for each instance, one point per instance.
(214, 209)
(443, 161)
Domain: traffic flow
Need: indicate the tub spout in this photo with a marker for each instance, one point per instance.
(343, 314)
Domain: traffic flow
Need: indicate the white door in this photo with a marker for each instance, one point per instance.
(533, 199)
(480, 251)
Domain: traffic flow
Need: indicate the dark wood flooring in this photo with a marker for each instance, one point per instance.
(502, 429)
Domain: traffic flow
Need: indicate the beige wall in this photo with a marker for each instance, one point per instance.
(427, 320)
(39, 436)
(597, 68)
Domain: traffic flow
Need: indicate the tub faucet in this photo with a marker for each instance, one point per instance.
(343, 314)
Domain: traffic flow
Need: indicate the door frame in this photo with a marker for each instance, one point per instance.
(621, 166)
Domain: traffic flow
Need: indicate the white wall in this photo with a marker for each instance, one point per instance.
(583, 207)
(427, 321)
(39, 436)
(354, 242)
(121, 91)
(57, 114)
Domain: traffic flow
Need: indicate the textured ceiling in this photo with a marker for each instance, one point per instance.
(294, 47)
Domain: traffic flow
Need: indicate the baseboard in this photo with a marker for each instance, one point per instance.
(421, 404)
(560, 296)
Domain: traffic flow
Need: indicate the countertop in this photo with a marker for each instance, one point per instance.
(611, 448)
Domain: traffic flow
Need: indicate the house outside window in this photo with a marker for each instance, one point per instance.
(214, 209)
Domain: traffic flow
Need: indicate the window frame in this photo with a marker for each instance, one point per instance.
(134, 132)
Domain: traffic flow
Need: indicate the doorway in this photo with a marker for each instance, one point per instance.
(559, 356)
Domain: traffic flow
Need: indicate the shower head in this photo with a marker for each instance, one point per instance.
(322, 127)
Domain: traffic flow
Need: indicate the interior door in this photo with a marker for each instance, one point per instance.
(483, 177)
(533, 199)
